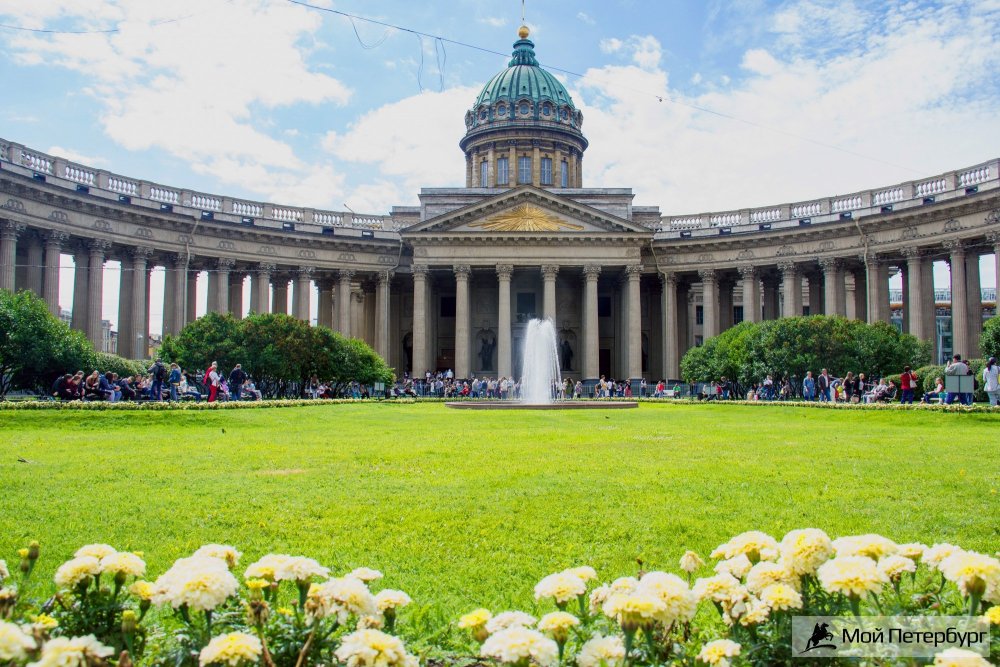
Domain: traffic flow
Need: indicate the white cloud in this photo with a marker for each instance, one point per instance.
(610, 45)
(586, 18)
(644, 50)
(494, 21)
(75, 156)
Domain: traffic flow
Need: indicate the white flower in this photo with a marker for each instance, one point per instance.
(201, 583)
(557, 623)
(601, 652)
(937, 553)
(691, 562)
(76, 570)
(737, 566)
(781, 597)
(520, 645)
(299, 568)
(679, 602)
(755, 544)
(624, 585)
(231, 649)
(959, 657)
(598, 597)
(765, 573)
(14, 643)
(373, 648)
(894, 566)
(634, 610)
(562, 587)
(124, 563)
(718, 652)
(584, 572)
(973, 573)
(267, 567)
(97, 551)
(344, 596)
(390, 599)
(804, 550)
(872, 545)
(365, 574)
(72, 652)
(510, 619)
(721, 587)
(853, 576)
(912, 550)
(222, 552)
(4, 572)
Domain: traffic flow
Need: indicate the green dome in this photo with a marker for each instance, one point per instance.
(523, 92)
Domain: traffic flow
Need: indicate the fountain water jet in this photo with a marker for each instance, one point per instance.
(540, 365)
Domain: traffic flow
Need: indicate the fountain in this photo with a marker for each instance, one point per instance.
(539, 377)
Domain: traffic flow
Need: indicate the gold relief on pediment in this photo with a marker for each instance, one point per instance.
(526, 218)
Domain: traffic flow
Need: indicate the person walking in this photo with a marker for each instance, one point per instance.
(236, 379)
(907, 385)
(174, 381)
(809, 387)
(823, 386)
(991, 381)
(213, 380)
(158, 374)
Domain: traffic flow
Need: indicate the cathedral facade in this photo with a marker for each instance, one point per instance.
(452, 282)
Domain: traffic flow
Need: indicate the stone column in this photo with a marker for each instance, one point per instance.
(834, 300)
(751, 293)
(916, 301)
(300, 293)
(324, 305)
(383, 281)
(36, 261)
(791, 285)
(344, 302)
(178, 287)
(549, 273)
(671, 340)
(221, 299)
(874, 273)
(770, 299)
(633, 322)
(236, 294)
(279, 303)
(140, 305)
(95, 291)
(260, 288)
(9, 231)
(462, 324)
(929, 305)
(815, 292)
(591, 336)
(726, 287)
(850, 296)
(53, 256)
(126, 328)
(709, 304)
(169, 296)
(419, 357)
(504, 364)
(191, 300)
(974, 297)
(959, 299)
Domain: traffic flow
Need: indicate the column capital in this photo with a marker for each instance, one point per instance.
(419, 270)
(955, 247)
(266, 267)
(788, 267)
(462, 271)
(141, 252)
(98, 246)
(53, 237)
(911, 253)
(280, 280)
(346, 274)
(707, 275)
(504, 271)
(747, 271)
(633, 271)
(225, 263)
(668, 278)
(11, 228)
(830, 263)
(592, 271)
(993, 217)
(384, 276)
(550, 271)
(305, 272)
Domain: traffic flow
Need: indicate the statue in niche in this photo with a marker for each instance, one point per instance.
(486, 353)
(408, 351)
(566, 355)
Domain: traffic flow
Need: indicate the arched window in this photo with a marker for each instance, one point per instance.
(523, 109)
(484, 171)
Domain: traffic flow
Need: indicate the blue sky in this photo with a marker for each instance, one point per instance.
(269, 100)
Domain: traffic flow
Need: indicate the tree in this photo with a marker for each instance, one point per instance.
(793, 345)
(276, 349)
(340, 360)
(35, 346)
(212, 337)
(989, 342)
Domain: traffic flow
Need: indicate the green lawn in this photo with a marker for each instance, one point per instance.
(463, 508)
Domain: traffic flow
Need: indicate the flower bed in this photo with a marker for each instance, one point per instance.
(289, 612)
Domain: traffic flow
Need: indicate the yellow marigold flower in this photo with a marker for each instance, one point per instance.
(781, 597)
(73, 651)
(634, 610)
(993, 615)
(23, 552)
(912, 550)
(871, 545)
(598, 597)
(558, 624)
(754, 543)
(624, 585)
(143, 590)
(201, 583)
(285, 611)
(389, 599)
(365, 574)
(804, 550)
(584, 573)
(718, 652)
(14, 643)
(959, 657)
(345, 596)
(521, 646)
(221, 551)
(679, 603)
(44, 622)
(75, 571)
(937, 553)
(718, 588)
(510, 619)
(266, 567)
(893, 567)
(755, 613)
(299, 568)
(765, 573)
(232, 649)
(372, 648)
(475, 619)
(601, 652)
(973, 573)
(691, 562)
(562, 587)
(853, 576)
(97, 551)
(257, 584)
(371, 623)
(737, 566)
(123, 563)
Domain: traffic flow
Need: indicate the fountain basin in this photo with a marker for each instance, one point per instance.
(555, 405)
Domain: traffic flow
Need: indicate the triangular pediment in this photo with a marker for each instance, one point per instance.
(526, 210)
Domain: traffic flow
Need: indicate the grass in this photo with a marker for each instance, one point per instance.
(464, 509)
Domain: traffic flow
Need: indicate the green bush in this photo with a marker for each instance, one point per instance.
(989, 342)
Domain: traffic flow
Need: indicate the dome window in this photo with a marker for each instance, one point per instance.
(482, 114)
(564, 114)
(523, 109)
(546, 110)
(502, 110)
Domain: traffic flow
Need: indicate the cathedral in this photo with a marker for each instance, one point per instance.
(452, 282)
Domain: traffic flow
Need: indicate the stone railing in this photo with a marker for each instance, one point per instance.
(943, 295)
(952, 185)
(60, 172)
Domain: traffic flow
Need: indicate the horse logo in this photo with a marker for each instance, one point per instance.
(820, 633)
